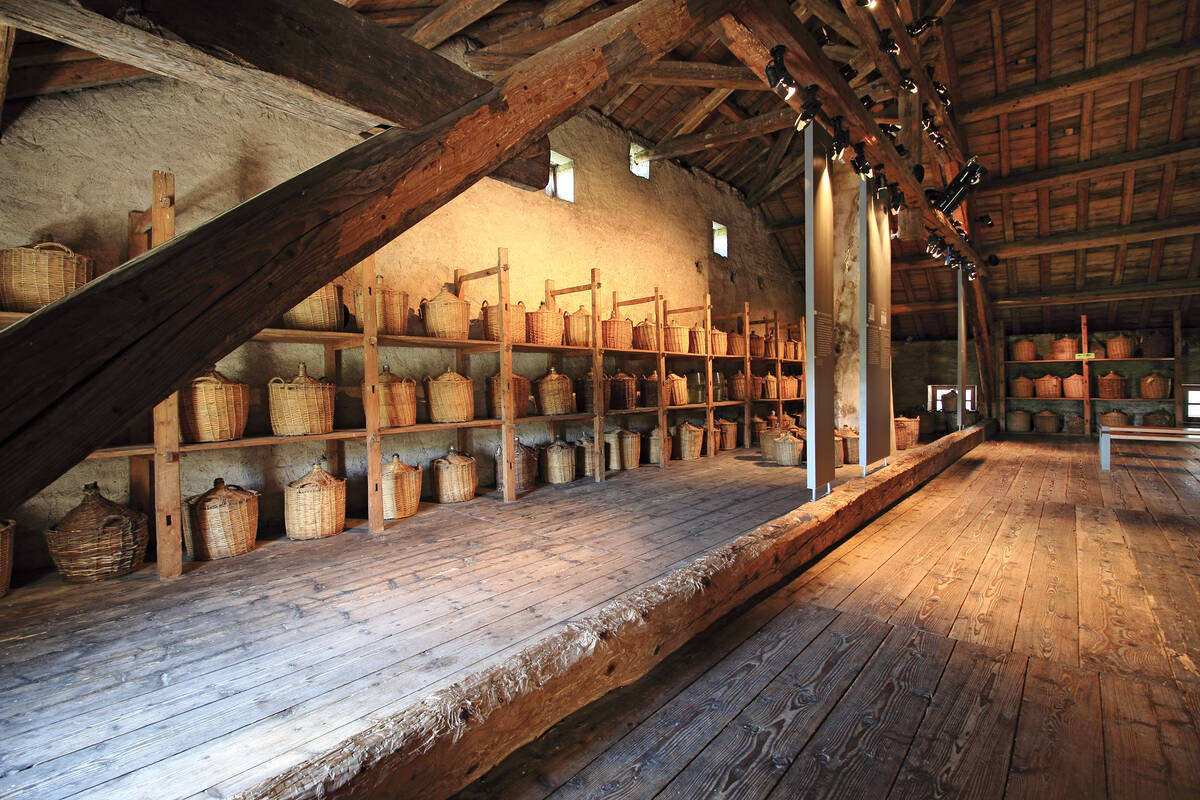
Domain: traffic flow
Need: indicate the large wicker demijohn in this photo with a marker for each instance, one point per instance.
(1156, 344)
(391, 309)
(1120, 346)
(521, 388)
(1047, 422)
(654, 447)
(1020, 386)
(1155, 386)
(1065, 348)
(525, 462)
(650, 387)
(736, 344)
(401, 486)
(302, 406)
(631, 449)
(544, 326)
(516, 322)
(1024, 350)
(37, 274)
(320, 311)
(6, 554)
(397, 400)
(719, 341)
(788, 449)
(1110, 386)
(221, 523)
(675, 338)
(698, 340)
(738, 386)
(446, 316)
(558, 462)
(314, 506)
(624, 391)
(644, 337)
(454, 477)
(1019, 420)
(691, 440)
(1048, 386)
(587, 390)
(212, 408)
(553, 392)
(677, 394)
(758, 346)
(585, 455)
(616, 332)
(451, 397)
(97, 539)
(729, 433)
(577, 328)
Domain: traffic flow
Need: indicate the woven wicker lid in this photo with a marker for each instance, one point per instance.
(396, 465)
(454, 459)
(221, 494)
(623, 376)
(1046, 414)
(449, 376)
(92, 511)
(1112, 374)
(685, 425)
(443, 297)
(302, 378)
(559, 445)
(673, 377)
(211, 375)
(315, 477)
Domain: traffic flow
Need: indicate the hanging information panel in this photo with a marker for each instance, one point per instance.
(875, 328)
(818, 308)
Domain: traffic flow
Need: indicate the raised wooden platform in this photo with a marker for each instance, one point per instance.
(1024, 625)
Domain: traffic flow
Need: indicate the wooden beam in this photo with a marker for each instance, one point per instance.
(8, 37)
(1098, 237)
(448, 19)
(698, 111)
(1112, 164)
(691, 73)
(720, 135)
(65, 76)
(1149, 64)
(790, 170)
(779, 149)
(790, 224)
(1181, 288)
(530, 42)
(66, 393)
(276, 54)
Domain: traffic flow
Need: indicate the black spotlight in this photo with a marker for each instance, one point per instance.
(896, 197)
(780, 80)
(890, 129)
(881, 181)
(952, 197)
(848, 72)
(886, 43)
(859, 163)
(918, 171)
(921, 26)
(865, 3)
(935, 246)
(901, 150)
(867, 101)
(993, 260)
(926, 119)
(907, 83)
(985, 220)
(822, 34)
(811, 106)
(841, 138)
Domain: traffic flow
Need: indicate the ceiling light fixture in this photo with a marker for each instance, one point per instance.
(952, 196)
(887, 44)
(865, 3)
(985, 220)
(810, 108)
(823, 35)
(778, 77)
(859, 163)
(907, 84)
(923, 25)
(848, 72)
(841, 138)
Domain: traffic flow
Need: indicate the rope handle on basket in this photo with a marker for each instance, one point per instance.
(117, 517)
(52, 246)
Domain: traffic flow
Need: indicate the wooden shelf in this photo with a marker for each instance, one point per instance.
(731, 358)
(623, 351)
(728, 403)
(1139, 358)
(579, 417)
(123, 451)
(1054, 361)
(267, 441)
(1071, 399)
(1170, 400)
(688, 407)
(623, 411)
(564, 349)
(464, 345)
(339, 339)
(427, 427)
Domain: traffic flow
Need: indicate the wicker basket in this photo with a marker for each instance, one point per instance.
(6, 554)
(908, 430)
(391, 309)
(587, 391)
(454, 477)
(397, 400)
(1024, 350)
(624, 391)
(314, 507)
(554, 395)
(1064, 348)
(97, 539)
(1120, 346)
(1156, 345)
(698, 340)
(521, 391)
(1019, 421)
(525, 461)
(654, 446)
(677, 390)
(789, 387)
(788, 449)
(720, 342)
(1110, 386)
(221, 523)
(767, 442)
(758, 347)
(1020, 386)
(770, 387)
(631, 449)
(1047, 386)
(650, 389)
(1154, 419)
(577, 328)
(1075, 386)
(1155, 387)
(1075, 426)
(769, 348)
(1098, 350)
(213, 408)
(544, 326)
(643, 336)
(1113, 419)
(320, 311)
(37, 274)
(451, 397)
(758, 426)
(729, 433)
(757, 387)
(558, 462)
(612, 446)
(401, 489)
(616, 332)
(446, 316)
(736, 344)
(675, 338)
(1047, 422)
(737, 386)
(516, 322)
(303, 406)
(691, 440)
(849, 445)
(586, 455)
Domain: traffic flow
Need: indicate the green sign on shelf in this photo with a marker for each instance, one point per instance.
(1084, 356)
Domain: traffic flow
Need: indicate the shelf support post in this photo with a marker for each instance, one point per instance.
(508, 408)
(370, 395)
(168, 491)
(598, 409)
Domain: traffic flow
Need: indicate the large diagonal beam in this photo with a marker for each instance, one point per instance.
(78, 370)
(720, 135)
(311, 58)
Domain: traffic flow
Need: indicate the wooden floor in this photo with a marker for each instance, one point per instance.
(205, 685)
(1022, 626)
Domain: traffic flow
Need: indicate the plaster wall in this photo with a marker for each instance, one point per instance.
(83, 160)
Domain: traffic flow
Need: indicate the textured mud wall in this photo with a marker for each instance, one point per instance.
(78, 163)
(845, 295)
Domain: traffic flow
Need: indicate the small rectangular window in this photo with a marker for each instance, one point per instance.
(639, 168)
(562, 177)
(1191, 399)
(937, 392)
(720, 239)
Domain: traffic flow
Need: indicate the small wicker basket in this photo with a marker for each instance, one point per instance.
(616, 332)
(454, 477)
(677, 389)
(397, 400)
(586, 456)
(908, 431)
(525, 461)
(1047, 386)
(1161, 418)
(1075, 386)
(643, 336)
(624, 391)
(758, 347)
(1065, 348)
(1110, 386)
(446, 316)
(630, 443)
(38, 274)
(516, 322)
(544, 326)
(675, 338)
(698, 340)
(97, 539)
(1047, 422)
(554, 395)
(1114, 419)
(522, 389)
(587, 391)
(558, 462)
(736, 344)
(451, 397)
(314, 506)
(391, 309)
(303, 406)
(1120, 346)
(1019, 421)
(729, 433)
(1156, 344)
(1155, 387)
(221, 523)
(691, 440)
(577, 328)
(788, 448)
(7, 526)
(1024, 350)
(401, 486)
(212, 408)
(1020, 386)
(320, 311)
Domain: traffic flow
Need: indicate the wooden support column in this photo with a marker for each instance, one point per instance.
(508, 407)
(1087, 377)
(8, 36)
(335, 449)
(664, 431)
(1177, 338)
(748, 425)
(370, 394)
(141, 480)
(597, 384)
(709, 422)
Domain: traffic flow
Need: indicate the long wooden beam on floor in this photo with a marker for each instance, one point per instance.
(179, 307)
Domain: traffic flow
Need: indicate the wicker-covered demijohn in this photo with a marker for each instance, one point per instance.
(908, 429)
(1064, 348)
(616, 332)
(788, 449)
(729, 433)
(758, 345)
(558, 462)
(1024, 350)
(719, 340)
(1075, 386)
(1155, 386)
(213, 408)
(1110, 386)
(1120, 346)
(691, 440)
(1161, 418)
(401, 485)
(391, 309)
(314, 506)
(630, 443)
(521, 392)
(554, 395)
(302, 406)
(221, 523)
(1075, 425)
(624, 391)
(446, 316)
(1048, 386)
(577, 328)
(677, 394)
(1047, 422)
(1019, 421)
(675, 338)
(454, 477)
(698, 340)
(320, 311)
(644, 337)
(397, 400)
(1113, 419)
(770, 387)
(6, 554)
(650, 386)
(585, 447)
(451, 397)
(97, 539)
(1156, 344)
(736, 344)
(516, 322)
(544, 326)
(525, 462)
(1020, 386)
(587, 391)
(738, 386)
(37, 274)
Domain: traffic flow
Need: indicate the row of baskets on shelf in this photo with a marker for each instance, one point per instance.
(214, 408)
(1021, 421)
(1112, 386)
(1153, 345)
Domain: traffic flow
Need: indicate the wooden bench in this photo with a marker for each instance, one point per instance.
(1136, 433)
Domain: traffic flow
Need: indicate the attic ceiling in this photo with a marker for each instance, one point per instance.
(1082, 111)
